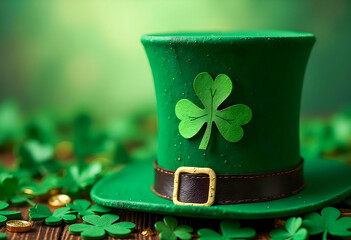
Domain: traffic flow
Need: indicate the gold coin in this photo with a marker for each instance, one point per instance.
(28, 191)
(59, 200)
(18, 226)
(147, 232)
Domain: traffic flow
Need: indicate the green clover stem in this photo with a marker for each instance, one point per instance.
(30, 202)
(206, 137)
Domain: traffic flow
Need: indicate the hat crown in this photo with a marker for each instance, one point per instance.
(266, 69)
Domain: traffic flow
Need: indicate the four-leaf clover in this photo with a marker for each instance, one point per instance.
(41, 212)
(170, 230)
(82, 207)
(212, 94)
(327, 223)
(230, 230)
(292, 231)
(4, 215)
(95, 227)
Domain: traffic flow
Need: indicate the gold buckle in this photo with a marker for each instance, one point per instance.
(195, 170)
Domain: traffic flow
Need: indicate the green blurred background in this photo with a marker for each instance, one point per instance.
(76, 89)
(64, 56)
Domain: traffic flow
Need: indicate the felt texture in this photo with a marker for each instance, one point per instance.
(5, 215)
(212, 94)
(266, 69)
(230, 230)
(327, 182)
(95, 227)
(41, 212)
(328, 222)
(169, 229)
(292, 231)
(82, 208)
(11, 192)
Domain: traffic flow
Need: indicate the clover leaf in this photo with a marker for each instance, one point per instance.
(95, 227)
(170, 230)
(48, 183)
(327, 223)
(37, 157)
(4, 215)
(292, 231)
(82, 207)
(41, 212)
(230, 230)
(80, 177)
(10, 191)
(212, 94)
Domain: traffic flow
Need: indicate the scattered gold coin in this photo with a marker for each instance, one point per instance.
(59, 200)
(18, 226)
(28, 191)
(147, 232)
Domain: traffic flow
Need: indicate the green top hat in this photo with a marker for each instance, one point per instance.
(228, 107)
(266, 70)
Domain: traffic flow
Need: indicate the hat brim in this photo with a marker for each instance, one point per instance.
(327, 182)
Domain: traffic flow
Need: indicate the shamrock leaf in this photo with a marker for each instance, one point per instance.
(4, 215)
(48, 183)
(95, 227)
(327, 223)
(37, 157)
(80, 177)
(212, 94)
(10, 191)
(41, 212)
(170, 230)
(82, 207)
(230, 230)
(292, 231)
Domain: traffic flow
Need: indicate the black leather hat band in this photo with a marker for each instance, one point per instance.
(194, 188)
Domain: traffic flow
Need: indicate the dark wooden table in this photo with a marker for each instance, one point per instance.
(143, 220)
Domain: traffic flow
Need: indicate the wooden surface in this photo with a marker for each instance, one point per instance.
(40, 231)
